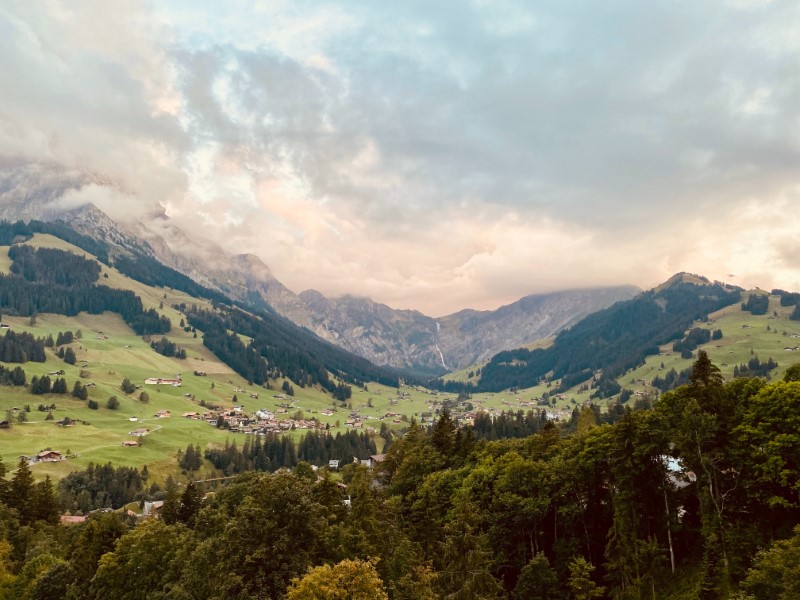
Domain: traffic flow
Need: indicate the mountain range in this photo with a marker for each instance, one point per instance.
(405, 339)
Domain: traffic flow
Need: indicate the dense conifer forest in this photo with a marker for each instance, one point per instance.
(55, 281)
(279, 347)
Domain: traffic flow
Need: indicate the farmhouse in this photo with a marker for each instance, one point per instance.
(176, 382)
(375, 459)
(49, 456)
(72, 519)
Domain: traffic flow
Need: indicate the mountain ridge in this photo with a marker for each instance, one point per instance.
(401, 338)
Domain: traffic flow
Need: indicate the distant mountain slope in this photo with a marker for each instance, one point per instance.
(468, 337)
(405, 339)
(612, 340)
(279, 347)
(410, 339)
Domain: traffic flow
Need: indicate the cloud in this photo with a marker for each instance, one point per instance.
(431, 155)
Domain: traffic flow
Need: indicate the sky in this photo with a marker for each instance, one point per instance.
(430, 155)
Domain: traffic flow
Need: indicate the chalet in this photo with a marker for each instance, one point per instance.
(176, 382)
(265, 414)
(72, 519)
(254, 396)
(130, 443)
(49, 456)
(200, 373)
(162, 414)
(133, 419)
(375, 459)
(191, 415)
(59, 372)
(333, 464)
(141, 432)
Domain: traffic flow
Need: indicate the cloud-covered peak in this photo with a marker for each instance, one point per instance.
(430, 155)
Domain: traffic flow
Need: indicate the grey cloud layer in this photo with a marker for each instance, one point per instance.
(433, 155)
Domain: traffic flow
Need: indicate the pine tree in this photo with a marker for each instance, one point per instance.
(80, 391)
(190, 501)
(21, 490)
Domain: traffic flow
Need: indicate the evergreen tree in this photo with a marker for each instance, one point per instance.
(60, 386)
(127, 387)
(190, 501)
(580, 581)
(21, 490)
(538, 581)
(69, 356)
(79, 391)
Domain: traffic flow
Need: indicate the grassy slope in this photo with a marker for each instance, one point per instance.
(111, 351)
(744, 336)
(123, 354)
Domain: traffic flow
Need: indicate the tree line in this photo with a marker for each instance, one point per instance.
(278, 348)
(43, 292)
(101, 486)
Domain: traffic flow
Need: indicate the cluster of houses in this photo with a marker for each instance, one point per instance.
(262, 421)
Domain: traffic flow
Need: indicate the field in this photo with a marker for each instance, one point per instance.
(108, 351)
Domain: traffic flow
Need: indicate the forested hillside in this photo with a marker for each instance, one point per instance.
(612, 340)
(670, 503)
(47, 280)
(280, 346)
(55, 281)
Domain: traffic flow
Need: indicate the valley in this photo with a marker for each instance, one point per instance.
(108, 352)
(289, 416)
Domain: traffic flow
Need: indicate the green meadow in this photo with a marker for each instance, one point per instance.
(108, 351)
